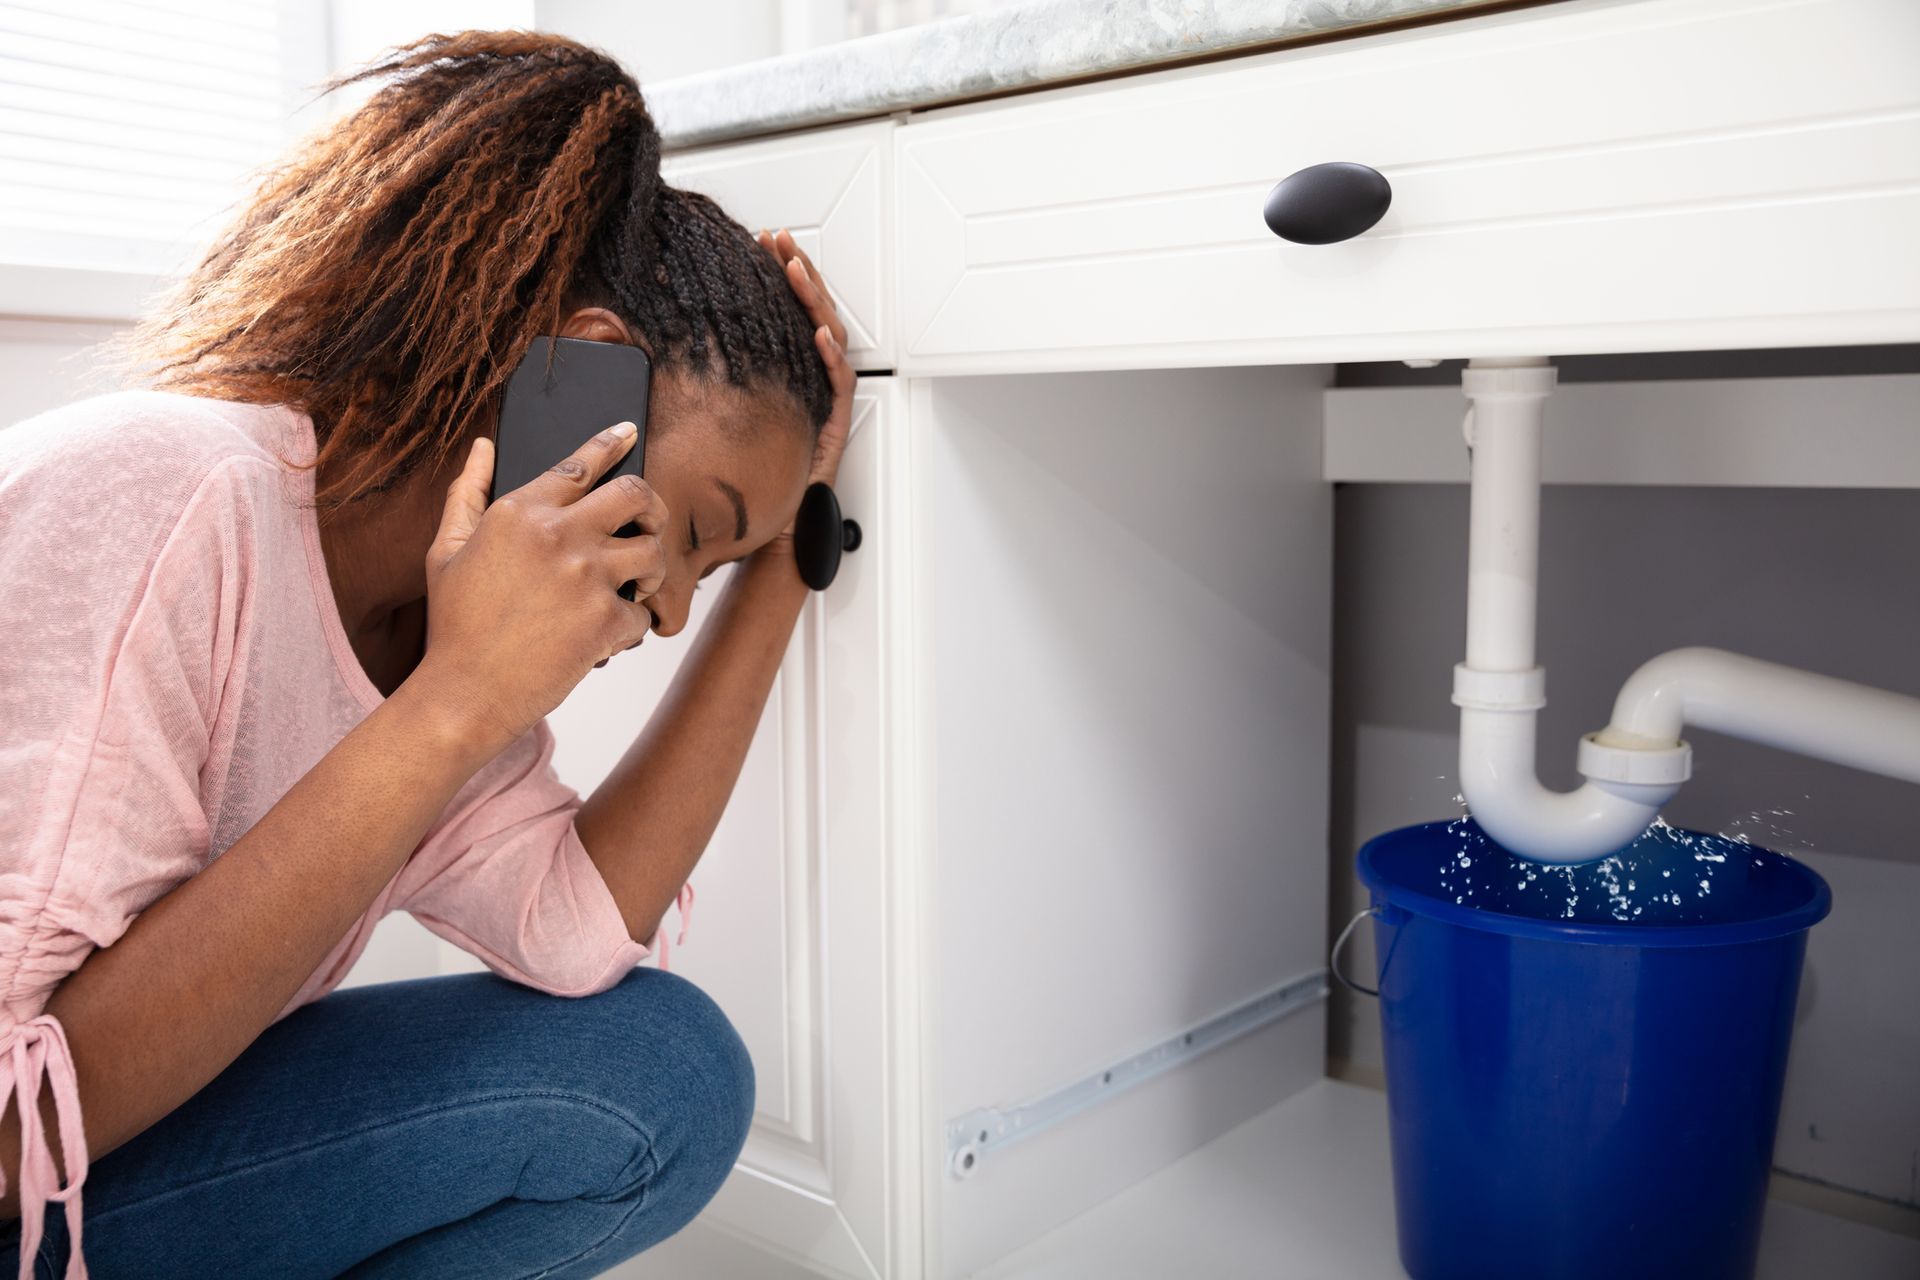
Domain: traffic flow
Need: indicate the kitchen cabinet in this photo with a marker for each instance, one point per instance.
(1021, 901)
(834, 191)
(1569, 178)
(998, 829)
(806, 925)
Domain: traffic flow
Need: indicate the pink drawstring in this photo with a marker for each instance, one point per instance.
(685, 903)
(38, 1049)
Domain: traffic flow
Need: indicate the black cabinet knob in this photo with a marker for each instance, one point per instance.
(820, 535)
(1325, 203)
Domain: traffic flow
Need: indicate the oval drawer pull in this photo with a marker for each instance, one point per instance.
(821, 535)
(1325, 203)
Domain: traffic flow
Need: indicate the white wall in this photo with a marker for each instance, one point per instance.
(1821, 579)
(359, 29)
(660, 41)
(46, 363)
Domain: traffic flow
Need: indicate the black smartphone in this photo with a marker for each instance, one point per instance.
(563, 392)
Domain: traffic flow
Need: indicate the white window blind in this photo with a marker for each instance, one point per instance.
(128, 128)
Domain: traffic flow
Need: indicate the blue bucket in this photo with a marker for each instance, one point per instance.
(1584, 1064)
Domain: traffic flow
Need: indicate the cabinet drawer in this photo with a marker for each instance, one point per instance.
(833, 189)
(1595, 175)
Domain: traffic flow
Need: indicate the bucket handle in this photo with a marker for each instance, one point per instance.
(1333, 960)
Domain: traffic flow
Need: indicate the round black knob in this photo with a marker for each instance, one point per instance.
(820, 535)
(1325, 203)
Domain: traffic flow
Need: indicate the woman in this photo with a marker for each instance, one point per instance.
(273, 667)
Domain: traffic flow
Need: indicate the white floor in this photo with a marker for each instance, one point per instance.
(1300, 1192)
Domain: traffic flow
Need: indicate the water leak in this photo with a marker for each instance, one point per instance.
(1637, 885)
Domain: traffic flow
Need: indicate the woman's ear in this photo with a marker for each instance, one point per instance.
(597, 324)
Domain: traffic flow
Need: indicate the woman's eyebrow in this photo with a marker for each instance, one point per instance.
(739, 509)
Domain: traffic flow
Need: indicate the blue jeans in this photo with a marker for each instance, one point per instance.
(454, 1126)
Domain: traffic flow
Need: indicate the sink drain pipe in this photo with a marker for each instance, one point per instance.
(1637, 763)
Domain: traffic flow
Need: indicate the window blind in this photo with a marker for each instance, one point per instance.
(128, 128)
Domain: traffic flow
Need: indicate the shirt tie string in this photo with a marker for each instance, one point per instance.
(685, 903)
(37, 1049)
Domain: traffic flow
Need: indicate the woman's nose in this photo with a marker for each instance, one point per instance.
(669, 610)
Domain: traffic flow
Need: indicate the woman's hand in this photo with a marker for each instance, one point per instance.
(523, 595)
(830, 335)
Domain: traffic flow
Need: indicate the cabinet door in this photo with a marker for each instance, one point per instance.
(834, 190)
(1572, 177)
(793, 928)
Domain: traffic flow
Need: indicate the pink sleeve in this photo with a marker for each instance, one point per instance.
(503, 876)
(117, 637)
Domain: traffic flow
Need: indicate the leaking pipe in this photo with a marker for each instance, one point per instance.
(1637, 763)
(1499, 688)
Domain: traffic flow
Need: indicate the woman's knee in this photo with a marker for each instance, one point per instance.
(687, 1070)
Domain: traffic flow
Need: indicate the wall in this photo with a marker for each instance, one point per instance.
(357, 30)
(658, 42)
(1828, 580)
(46, 363)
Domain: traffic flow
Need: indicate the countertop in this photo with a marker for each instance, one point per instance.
(977, 55)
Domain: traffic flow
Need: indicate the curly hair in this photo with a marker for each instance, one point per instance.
(388, 274)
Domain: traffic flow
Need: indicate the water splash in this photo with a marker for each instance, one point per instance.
(1621, 888)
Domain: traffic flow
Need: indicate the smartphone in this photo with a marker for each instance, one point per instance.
(562, 393)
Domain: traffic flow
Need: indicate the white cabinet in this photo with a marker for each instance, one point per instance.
(1595, 175)
(1124, 618)
(834, 190)
(1044, 783)
(802, 930)
(999, 828)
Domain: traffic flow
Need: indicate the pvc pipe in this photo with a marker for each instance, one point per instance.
(1637, 763)
(1506, 797)
(1765, 702)
(1503, 546)
(1499, 688)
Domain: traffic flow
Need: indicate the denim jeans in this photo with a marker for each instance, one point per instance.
(453, 1126)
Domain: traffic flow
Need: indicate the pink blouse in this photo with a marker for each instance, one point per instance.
(171, 662)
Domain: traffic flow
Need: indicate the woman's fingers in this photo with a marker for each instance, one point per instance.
(820, 306)
(829, 336)
(620, 500)
(466, 502)
(636, 620)
(806, 281)
(639, 560)
(839, 370)
(793, 250)
(568, 480)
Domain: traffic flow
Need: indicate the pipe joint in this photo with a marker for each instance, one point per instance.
(1509, 382)
(1499, 690)
(1649, 765)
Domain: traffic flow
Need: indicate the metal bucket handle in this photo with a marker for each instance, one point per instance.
(1390, 916)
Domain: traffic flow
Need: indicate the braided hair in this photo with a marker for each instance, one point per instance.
(389, 273)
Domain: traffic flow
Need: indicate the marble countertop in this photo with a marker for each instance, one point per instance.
(976, 55)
